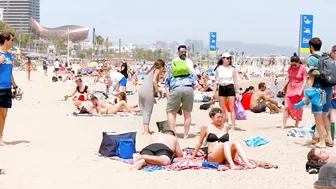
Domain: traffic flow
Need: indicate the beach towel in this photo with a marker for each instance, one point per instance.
(303, 132)
(256, 141)
(202, 98)
(90, 115)
(186, 163)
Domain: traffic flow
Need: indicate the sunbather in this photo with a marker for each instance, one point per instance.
(260, 101)
(123, 97)
(98, 107)
(217, 137)
(162, 148)
(321, 155)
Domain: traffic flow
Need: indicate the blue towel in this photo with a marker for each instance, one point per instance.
(256, 141)
(153, 168)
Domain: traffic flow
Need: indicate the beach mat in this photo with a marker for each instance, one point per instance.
(90, 115)
(180, 164)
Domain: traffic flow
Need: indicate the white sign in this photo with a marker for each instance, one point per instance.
(1, 14)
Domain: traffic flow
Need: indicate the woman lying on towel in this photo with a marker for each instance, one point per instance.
(217, 137)
(98, 107)
(321, 155)
(123, 97)
(82, 90)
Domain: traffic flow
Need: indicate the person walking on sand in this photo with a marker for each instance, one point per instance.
(146, 92)
(7, 81)
(297, 75)
(180, 84)
(28, 68)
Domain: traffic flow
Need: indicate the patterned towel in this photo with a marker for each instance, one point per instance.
(184, 163)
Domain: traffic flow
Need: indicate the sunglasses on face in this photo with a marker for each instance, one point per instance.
(228, 58)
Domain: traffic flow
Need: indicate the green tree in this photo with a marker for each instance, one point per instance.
(61, 44)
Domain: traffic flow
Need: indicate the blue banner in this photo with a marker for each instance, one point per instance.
(213, 43)
(306, 32)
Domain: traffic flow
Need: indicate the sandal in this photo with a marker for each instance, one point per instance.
(329, 144)
(318, 145)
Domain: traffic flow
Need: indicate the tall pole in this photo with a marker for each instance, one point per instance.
(93, 42)
(68, 50)
(300, 32)
(119, 47)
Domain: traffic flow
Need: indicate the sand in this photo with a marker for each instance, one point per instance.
(49, 149)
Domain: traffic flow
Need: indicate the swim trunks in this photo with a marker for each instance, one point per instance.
(261, 107)
(158, 149)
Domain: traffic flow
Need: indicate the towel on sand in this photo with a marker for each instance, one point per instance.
(256, 141)
(180, 164)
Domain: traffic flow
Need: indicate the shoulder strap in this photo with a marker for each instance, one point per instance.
(316, 56)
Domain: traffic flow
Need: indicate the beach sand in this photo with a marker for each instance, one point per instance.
(50, 149)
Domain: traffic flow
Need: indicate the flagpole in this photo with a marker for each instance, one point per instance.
(68, 50)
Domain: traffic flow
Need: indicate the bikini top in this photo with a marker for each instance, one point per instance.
(213, 138)
(82, 92)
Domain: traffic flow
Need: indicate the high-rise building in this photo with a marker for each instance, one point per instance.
(198, 46)
(17, 13)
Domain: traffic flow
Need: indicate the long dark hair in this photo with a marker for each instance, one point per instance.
(295, 58)
(124, 69)
(250, 88)
(220, 62)
(157, 65)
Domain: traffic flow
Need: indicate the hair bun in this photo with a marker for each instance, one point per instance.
(295, 54)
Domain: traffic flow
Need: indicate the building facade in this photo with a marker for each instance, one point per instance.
(17, 13)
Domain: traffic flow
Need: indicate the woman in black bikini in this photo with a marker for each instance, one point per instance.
(219, 148)
(82, 90)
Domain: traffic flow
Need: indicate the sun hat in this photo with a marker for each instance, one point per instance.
(226, 55)
(327, 176)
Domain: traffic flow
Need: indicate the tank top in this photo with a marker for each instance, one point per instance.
(225, 75)
(147, 84)
(6, 70)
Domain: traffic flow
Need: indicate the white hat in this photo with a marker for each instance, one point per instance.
(226, 55)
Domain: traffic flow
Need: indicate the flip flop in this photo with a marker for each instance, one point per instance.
(317, 145)
(329, 144)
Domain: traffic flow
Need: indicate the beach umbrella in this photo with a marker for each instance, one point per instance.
(93, 65)
(315, 96)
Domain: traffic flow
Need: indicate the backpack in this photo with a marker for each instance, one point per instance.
(327, 68)
(44, 63)
(180, 68)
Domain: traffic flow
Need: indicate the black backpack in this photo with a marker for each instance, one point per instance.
(327, 68)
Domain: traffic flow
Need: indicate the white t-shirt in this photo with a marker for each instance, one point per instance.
(225, 75)
(116, 76)
(190, 64)
(56, 64)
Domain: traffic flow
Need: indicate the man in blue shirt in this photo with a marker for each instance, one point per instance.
(320, 112)
(7, 81)
(180, 90)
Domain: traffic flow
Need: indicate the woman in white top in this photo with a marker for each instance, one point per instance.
(226, 85)
(119, 79)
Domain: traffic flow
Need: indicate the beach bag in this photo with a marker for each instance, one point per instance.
(180, 68)
(54, 79)
(110, 142)
(327, 69)
(126, 148)
(240, 111)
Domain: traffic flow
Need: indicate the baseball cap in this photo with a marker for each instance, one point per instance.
(327, 176)
(226, 55)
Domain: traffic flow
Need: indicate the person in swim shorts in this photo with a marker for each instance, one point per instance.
(98, 107)
(260, 101)
(162, 148)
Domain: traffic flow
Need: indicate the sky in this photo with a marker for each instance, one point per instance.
(146, 21)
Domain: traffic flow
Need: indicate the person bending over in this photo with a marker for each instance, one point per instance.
(98, 107)
(217, 137)
(260, 101)
(162, 148)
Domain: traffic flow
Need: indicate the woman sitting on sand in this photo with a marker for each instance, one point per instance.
(203, 82)
(83, 91)
(321, 155)
(123, 97)
(217, 137)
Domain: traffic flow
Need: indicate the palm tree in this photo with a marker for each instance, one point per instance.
(61, 44)
(99, 41)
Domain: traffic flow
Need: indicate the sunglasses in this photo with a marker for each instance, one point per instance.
(228, 58)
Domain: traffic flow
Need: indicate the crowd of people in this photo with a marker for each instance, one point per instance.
(177, 83)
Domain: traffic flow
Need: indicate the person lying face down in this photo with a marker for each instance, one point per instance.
(217, 137)
(163, 147)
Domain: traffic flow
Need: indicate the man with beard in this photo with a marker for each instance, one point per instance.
(180, 83)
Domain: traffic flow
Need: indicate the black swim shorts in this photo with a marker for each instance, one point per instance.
(261, 107)
(227, 90)
(5, 98)
(158, 149)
